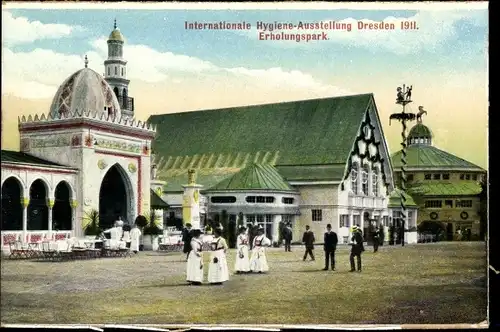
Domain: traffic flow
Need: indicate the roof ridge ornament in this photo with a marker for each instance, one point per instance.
(86, 61)
(115, 24)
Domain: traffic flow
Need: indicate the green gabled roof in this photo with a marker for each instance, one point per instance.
(395, 199)
(24, 158)
(156, 202)
(254, 177)
(420, 130)
(445, 189)
(312, 173)
(316, 132)
(427, 156)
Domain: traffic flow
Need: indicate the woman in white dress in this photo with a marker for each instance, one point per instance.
(242, 263)
(258, 261)
(194, 265)
(217, 268)
(135, 235)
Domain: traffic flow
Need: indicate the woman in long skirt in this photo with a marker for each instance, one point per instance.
(242, 262)
(194, 268)
(217, 268)
(258, 261)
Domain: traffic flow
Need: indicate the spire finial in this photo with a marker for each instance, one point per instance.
(115, 23)
(86, 61)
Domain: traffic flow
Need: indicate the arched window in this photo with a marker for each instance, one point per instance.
(421, 141)
(122, 71)
(117, 93)
(109, 71)
(116, 70)
(364, 179)
(375, 181)
(354, 177)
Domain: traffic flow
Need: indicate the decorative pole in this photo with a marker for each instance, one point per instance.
(403, 98)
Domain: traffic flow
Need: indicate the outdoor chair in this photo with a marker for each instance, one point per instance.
(19, 250)
(65, 250)
(48, 252)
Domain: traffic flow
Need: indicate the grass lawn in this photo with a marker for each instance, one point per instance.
(437, 283)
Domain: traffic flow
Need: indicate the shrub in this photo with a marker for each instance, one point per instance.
(92, 227)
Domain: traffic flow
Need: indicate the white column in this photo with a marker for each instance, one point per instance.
(276, 227)
(50, 205)
(74, 231)
(25, 202)
(245, 220)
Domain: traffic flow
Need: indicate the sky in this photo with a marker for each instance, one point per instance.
(173, 69)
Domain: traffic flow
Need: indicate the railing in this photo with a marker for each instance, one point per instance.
(32, 236)
(366, 202)
(126, 103)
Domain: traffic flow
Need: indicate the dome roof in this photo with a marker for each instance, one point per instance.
(83, 91)
(426, 156)
(420, 130)
(116, 35)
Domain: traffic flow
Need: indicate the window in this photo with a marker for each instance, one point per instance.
(116, 70)
(409, 177)
(269, 218)
(446, 176)
(474, 177)
(269, 199)
(317, 215)
(385, 221)
(467, 176)
(223, 199)
(437, 176)
(122, 71)
(463, 203)
(427, 176)
(109, 71)
(433, 204)
(425, 140)
(364, 180)
(356, 220)
(250, 218)
(354, 178)
(259, 199)
(409, 218)
(344, 220)
(286, 218)
(448, 203)
(421, 141)
(375, 182)
(462, 176)
(287, 200)
(260, 218)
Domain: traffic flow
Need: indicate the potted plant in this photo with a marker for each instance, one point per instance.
(91, 222)
(151, 232)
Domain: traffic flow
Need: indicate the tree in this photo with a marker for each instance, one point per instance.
(483, 208)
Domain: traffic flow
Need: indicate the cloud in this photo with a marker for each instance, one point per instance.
(19, 30)
(434, 28)
(38, 73)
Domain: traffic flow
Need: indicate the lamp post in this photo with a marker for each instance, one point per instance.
(403, 98)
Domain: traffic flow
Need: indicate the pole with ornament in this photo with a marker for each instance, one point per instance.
(403, 98)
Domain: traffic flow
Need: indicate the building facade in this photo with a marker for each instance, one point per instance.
(86, 154)
(446, 188)
(311, 162)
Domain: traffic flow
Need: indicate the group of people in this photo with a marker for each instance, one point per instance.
(218, 271)
(330, 242)
(123, 236)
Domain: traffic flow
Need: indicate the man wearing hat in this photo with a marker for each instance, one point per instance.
(287, 236)
(308, 239)
(356, 247)
(330, 245)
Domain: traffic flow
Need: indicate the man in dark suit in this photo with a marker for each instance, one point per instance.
(330, 245)
(186, 238)
(287, 236)
(376, 239)
(356, 247)
(308, 240)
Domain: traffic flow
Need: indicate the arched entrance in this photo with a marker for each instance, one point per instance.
(115, 197)
(38, 211)
(62, 212)
(12, 209)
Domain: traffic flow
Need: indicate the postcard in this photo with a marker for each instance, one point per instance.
(244, 164)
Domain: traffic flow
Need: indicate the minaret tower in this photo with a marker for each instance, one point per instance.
(116, 72)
